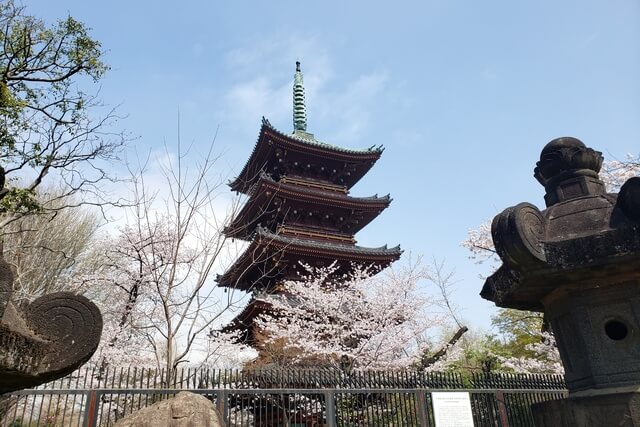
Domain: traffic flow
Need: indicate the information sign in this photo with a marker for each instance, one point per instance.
(452, 409)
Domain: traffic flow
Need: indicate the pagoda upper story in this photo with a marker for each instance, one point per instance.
(299, 209)
(301, 156)
(305, 206)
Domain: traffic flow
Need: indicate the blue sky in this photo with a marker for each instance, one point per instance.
(463, 94)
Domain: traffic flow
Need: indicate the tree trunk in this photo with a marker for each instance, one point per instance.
(427, 361)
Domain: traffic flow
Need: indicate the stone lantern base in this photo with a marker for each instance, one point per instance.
(619, 410)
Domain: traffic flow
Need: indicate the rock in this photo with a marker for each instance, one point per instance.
(184, 410)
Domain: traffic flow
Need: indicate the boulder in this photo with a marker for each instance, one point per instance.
(184, 410)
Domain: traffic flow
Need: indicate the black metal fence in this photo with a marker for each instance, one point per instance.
(91, 397)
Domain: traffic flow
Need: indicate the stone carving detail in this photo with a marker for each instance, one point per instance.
(48, 339)
(566, 157)
(517, 234)
(569, 169)
(581, 224)
(71, 323)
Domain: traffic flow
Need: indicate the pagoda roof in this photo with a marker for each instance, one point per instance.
(270, 139)
(247, 270)
(244, 320)
(263, 197)
(257, 305)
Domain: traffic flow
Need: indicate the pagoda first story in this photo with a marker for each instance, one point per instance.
(298, 211)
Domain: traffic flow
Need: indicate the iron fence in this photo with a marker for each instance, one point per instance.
(205, 378)
(297, 398)
(271, 407)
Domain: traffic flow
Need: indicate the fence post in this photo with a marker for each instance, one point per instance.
(91, 413)
(330, 405)
(422, 408)
(222, 405)
(502, 408)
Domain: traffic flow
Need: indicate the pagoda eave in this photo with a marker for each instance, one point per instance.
(272, 145)
(245, 320)
(268, 198)
(248, 270)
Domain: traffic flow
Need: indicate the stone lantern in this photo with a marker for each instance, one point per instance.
(578, 261)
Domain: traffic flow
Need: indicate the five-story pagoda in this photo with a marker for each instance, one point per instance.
(299, 211)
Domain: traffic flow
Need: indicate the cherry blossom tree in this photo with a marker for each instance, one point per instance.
(614, 173)
(544, 358)
(361, 320)
(480, 244)
(156, 282)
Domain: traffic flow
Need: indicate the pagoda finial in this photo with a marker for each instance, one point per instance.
(299, 110)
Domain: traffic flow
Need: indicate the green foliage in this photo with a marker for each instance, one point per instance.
(518, 329)
(48, 123)
(479, 358)
(19, 200)
(475, 354)
(384, 409)
(40, 64)
(518, 338)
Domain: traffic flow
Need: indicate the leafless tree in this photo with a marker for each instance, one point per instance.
(161, 267)
(46, 250)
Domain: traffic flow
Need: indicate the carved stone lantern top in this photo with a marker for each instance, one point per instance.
(568, 169)
(584, 238)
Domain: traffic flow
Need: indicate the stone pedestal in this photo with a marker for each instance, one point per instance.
(610, 410)
(598, 334)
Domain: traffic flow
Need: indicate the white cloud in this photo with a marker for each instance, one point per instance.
(349, 109)
(270, 56)
(264, 73)
(248, 101)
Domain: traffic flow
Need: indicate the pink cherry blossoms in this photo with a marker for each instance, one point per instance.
(361, 320)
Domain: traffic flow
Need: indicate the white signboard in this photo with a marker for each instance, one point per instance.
(452, 409)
